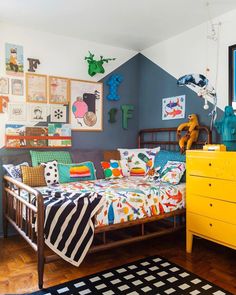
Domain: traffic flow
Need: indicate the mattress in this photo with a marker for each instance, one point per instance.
(127, 198)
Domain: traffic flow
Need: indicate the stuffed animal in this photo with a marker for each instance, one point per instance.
(192, 133)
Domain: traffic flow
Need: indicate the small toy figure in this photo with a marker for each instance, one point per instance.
(227, 129)
(192, 133)
(96, 66)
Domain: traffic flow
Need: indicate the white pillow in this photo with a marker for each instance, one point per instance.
(51, 173)
(14, 170)
(173, 172)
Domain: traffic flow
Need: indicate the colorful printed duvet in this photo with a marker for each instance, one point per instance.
(128, 198)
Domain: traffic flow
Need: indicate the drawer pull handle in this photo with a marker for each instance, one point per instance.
(209, 164)
(209, 184)
(211, 205)
(210, 224)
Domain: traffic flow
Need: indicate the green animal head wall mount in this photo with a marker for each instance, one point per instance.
(96, 66)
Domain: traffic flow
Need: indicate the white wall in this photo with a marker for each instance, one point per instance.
(59, 56)
(191, 52)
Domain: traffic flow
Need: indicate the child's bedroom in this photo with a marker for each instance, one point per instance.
(118, 147)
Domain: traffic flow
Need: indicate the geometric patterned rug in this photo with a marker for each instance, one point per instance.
(150, 276)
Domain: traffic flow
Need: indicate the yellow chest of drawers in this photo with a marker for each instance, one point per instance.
(211, 197)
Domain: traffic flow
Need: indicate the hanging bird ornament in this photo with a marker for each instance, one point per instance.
(96, 66)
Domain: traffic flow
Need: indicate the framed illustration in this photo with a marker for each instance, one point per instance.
(17, 112)
(58, 90)
(173, 107)
(4, 85)
(14, 59)
(36, 88)
(232, 76)
(17, 87)
(86, 105)
(38, 112)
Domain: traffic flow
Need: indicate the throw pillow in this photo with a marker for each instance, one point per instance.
(33, 176)
(173, 171)
(140, 161)
(112, 169)
(42, 157)
(15, 170)
(51, 173)
(76, 172)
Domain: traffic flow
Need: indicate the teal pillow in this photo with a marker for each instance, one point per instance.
(164, 156)
(76, 172)
(48, 156)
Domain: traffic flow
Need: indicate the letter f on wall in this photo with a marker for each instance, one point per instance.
(126, 114)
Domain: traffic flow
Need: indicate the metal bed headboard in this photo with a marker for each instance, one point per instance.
(166, 138)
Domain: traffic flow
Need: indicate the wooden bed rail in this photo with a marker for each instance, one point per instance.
(23, 215)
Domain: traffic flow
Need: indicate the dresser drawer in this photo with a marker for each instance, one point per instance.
(212, 229)
(224, 211)
(214, 188)
(212, 164)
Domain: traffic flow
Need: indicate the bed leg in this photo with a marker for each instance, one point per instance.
(40, 240)
(4, 207)
(189, 241)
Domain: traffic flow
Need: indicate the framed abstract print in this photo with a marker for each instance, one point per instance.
(86, 105)
(58, 90)
(36, 88)
(232, 76)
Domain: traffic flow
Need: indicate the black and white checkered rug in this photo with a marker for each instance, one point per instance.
(150, 276)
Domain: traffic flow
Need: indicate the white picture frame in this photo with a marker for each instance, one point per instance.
(4, 85)
(58, 113)
(17, 87)
(38, 112)
(17, 112)
(173, 107)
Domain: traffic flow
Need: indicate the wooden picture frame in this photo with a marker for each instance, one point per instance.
(58, 90)
(232, 76)
(36, 88)
(86, 105)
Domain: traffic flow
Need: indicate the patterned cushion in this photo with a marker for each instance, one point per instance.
(112, 169)
(51, 173)
(172, 172)
(33, 176)
(15, 170)
(42, 157)
(140, 161)
(76, 172)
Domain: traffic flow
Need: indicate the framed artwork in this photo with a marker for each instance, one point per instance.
(58, 113)
(17, 112)
(232, 76)
(173, 107)
(14, 59)
(4, 85)
(36, 88)
(17, 87)
(38, 112)
(86, 105)
(58, 90)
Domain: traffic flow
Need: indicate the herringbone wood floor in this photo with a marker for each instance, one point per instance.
(18, 262)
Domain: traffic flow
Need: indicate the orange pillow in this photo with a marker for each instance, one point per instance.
(33, 176)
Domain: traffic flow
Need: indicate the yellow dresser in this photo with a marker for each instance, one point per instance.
(211, 197)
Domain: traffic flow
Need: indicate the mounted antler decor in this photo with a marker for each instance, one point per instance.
(96, 66)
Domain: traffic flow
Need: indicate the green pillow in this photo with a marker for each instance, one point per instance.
(76, 172)
(42, 157)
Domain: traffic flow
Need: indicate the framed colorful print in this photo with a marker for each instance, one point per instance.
(58, 113)
(17, 87)
(4, 85)
(17, 112)
(86, 105)
(232, 76)
(38, 112)
(173, 107)
(14, 59)
(36, 88)
(58, 90)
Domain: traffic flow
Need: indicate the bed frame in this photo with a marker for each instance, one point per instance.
(21, 214)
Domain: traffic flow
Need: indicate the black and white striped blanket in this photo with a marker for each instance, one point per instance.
(68, 227)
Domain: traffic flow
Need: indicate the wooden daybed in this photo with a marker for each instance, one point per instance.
(14, 206)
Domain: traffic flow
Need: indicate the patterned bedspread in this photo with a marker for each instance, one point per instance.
(127, 198)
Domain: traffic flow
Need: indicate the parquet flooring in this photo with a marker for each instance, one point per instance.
(18, 268)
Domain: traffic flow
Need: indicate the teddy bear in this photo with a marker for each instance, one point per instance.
(186, 141)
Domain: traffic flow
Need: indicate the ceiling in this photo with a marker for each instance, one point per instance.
(132, 24)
